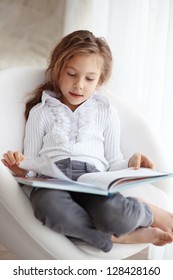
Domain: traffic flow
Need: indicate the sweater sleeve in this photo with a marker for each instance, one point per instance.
(34, 132)
(112, 135)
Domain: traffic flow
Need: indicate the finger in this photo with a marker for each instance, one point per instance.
(5, 162)
(137, 161)
(18, 157)
(13, 157)
(9, 157)
(11, 167)
(150, 164)
(147, 162)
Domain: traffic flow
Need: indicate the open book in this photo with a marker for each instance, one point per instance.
(101, 183)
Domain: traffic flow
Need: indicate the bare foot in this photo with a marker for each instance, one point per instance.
(152, 235)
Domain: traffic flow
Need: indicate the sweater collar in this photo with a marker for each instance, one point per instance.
(53, 98)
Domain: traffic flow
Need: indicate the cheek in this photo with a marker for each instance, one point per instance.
(64, 83)
(90, 90)
(94, 86)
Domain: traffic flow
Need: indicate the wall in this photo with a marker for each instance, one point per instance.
(29, 29)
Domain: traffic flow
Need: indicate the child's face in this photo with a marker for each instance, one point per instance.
(80, 78)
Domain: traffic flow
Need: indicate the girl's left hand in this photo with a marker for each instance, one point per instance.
(139, 160)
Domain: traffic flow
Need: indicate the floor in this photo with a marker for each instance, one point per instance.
(6, 255)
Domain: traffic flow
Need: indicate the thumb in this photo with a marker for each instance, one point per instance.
(137, 161)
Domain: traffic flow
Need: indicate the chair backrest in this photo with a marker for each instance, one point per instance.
(15, 86)
(17, 83)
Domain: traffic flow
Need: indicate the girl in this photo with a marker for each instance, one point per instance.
(69, 121)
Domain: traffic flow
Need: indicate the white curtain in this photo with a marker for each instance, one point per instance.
(140, 33)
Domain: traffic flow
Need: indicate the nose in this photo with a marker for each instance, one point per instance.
(78, 84)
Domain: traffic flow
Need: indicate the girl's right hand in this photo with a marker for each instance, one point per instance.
(12, 160)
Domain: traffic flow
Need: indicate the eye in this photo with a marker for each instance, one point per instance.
(89, 79)
(72, 74)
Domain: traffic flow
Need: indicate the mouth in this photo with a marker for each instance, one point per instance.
(76, 95)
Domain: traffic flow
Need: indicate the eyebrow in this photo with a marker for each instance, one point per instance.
(90, 73)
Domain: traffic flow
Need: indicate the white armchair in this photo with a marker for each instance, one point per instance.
(20, 231)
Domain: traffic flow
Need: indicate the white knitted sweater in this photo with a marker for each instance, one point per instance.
(91, 133)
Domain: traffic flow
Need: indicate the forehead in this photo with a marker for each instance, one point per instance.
(88, 62)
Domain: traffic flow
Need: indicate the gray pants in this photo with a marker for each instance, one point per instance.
(92, 218)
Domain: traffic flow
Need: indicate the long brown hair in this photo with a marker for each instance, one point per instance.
(81, 41)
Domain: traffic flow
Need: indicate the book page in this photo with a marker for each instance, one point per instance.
(101, 180)
(43, 165)
(105, 179)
